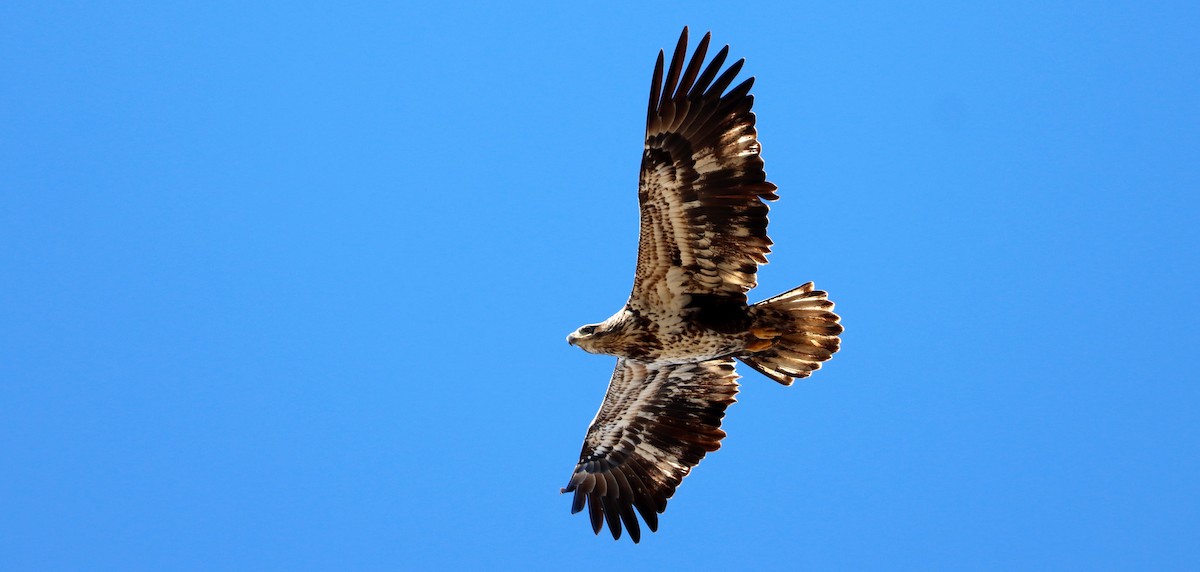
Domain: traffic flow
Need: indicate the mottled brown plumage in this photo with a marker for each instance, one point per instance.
(703, 234)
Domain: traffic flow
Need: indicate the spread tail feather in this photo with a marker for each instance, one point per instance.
(792, 334)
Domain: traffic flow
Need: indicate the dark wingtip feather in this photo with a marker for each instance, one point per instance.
(693, 68)
(578, 502)
(709, 73)
(741, 90)
(612, 516)
(676, 65)
(631, 523)
(595, 513)
(655, 87)
(727, 77)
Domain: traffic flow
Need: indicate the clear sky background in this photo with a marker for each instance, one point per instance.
(287, 287)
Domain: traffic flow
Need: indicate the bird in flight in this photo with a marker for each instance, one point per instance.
(703, 235)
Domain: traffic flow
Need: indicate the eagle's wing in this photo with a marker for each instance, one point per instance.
(656, 423)
(702, 186)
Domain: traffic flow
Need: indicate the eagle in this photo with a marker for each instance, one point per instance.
(703, 234)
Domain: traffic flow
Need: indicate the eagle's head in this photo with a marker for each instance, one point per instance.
(607, 337)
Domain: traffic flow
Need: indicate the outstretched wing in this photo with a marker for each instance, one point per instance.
(656, 423)
(702, 186)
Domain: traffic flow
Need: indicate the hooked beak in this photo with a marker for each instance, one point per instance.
(572, 338)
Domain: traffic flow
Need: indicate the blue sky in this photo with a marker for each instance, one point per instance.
(287, 288)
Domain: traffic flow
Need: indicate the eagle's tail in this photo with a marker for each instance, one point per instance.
(792, 334)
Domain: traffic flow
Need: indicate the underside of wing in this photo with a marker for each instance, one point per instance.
(702, 186)
(656, 423)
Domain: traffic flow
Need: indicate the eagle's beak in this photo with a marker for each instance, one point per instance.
(572, 338)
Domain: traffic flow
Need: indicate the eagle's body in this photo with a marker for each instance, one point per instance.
(703, 235)
(670, 336)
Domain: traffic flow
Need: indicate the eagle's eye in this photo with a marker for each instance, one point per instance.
(587, 330)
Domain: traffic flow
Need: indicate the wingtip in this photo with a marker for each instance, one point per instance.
(687, 30)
